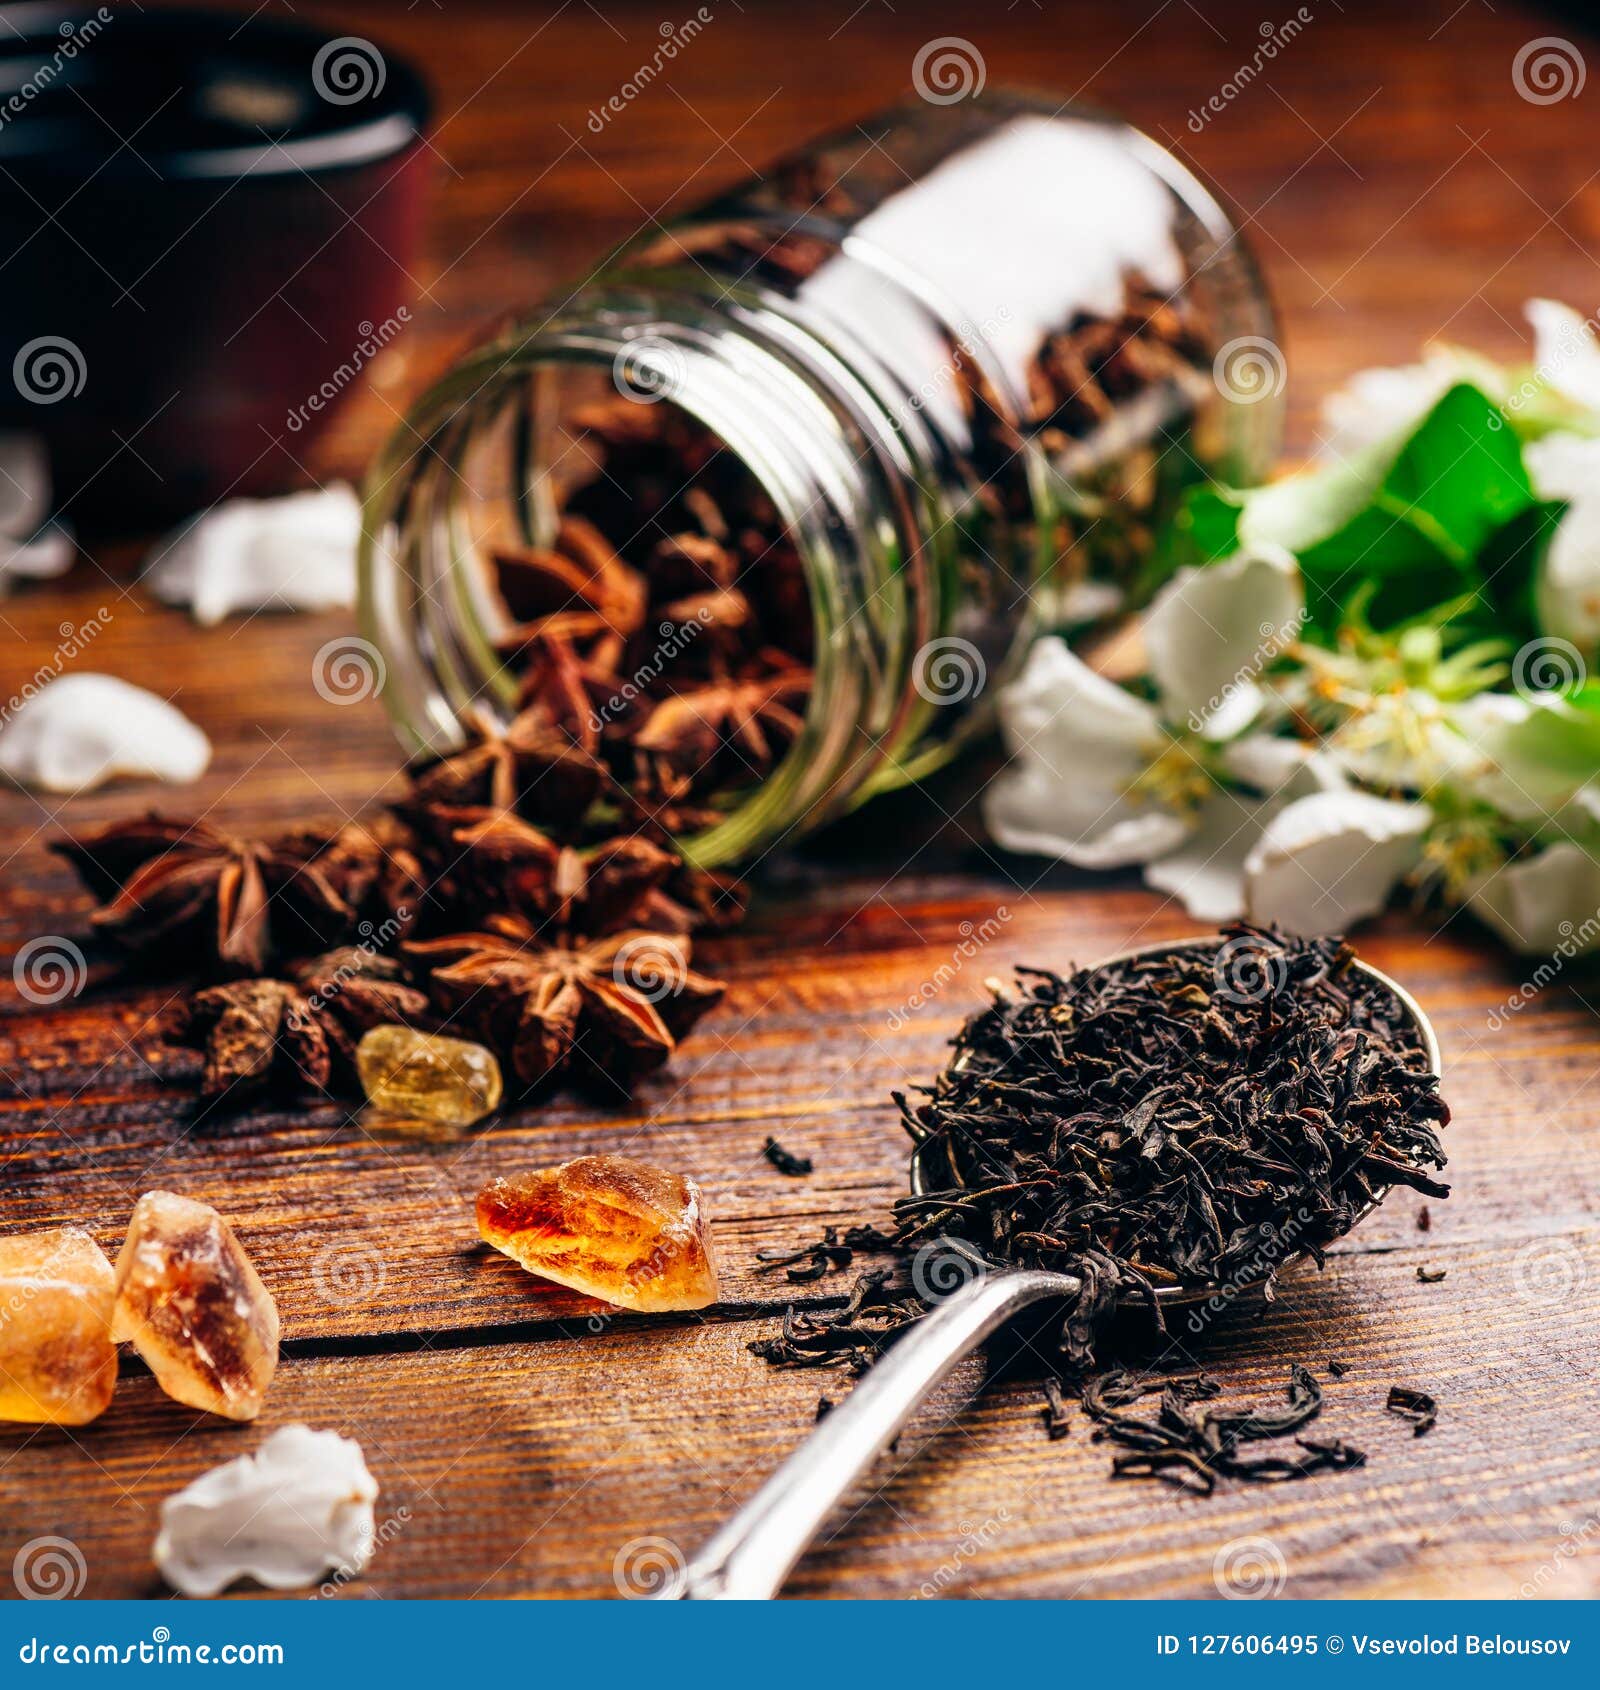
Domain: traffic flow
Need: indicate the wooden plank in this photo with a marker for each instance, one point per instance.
(531, 1467)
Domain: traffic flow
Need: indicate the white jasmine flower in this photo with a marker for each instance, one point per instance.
(80, 731)
(293, 553)
(1328, 861)
(1101, 778)
(1535, 755)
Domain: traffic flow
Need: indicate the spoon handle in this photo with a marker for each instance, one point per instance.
(753, 1553)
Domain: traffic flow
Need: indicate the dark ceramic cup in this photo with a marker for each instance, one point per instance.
(211, 222)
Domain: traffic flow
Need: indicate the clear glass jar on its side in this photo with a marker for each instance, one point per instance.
(969, 355)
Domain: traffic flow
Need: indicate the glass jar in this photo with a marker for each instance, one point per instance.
(967, 356)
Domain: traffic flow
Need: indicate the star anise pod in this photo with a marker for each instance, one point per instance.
(255, 1034)
(351, 990)
(579, 589)
(298, 1034)
(500, 863)
(745, 723)
(531, 761)
(613, 1007)
(206, 896)
(376, 866)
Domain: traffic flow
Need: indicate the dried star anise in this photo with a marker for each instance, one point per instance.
(255, 1033)
(611, 1008)
(207, 897)
(530, 761)
(734, 727)
(298, 1034)
(502, 863)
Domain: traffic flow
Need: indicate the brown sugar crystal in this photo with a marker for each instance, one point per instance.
(628, 1233)
(58, 1364)
(190, 1302)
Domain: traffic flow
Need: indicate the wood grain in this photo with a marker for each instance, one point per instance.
(1396, 186)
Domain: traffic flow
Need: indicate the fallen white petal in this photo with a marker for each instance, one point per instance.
(299, 1507)
(1211, 631)
(47, 552)
(1564, 351)
(1327, 861)
(79, 731)
(293, 553)
(1545, 903)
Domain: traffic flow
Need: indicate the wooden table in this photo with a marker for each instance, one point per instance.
(1396, 185)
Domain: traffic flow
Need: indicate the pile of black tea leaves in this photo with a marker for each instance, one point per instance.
(1186, 1119)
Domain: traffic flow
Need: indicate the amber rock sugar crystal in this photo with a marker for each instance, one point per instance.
(628, 1233)
(424, 1076)
(193, 1306)
(58, 1363)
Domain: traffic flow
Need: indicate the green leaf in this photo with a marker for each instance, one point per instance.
(1403, 524)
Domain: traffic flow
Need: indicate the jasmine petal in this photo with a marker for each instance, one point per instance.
(1545, 903)
(1079, 744)
(79, 731)
(1325, 862)
(1210, 633)
(293, 553)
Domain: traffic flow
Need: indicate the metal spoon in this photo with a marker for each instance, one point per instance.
(752, 1555)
